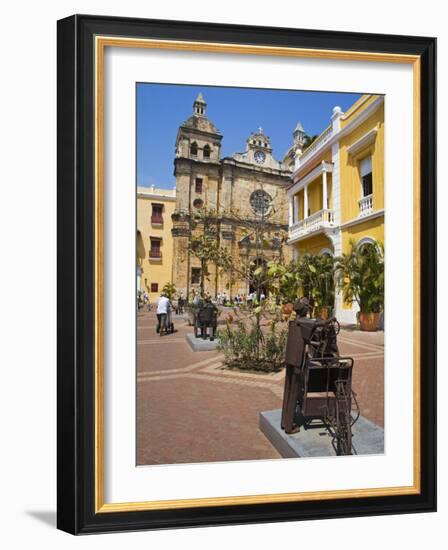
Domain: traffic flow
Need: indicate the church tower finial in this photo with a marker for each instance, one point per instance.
(199, 105)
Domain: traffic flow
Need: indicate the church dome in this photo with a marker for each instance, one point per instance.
(200, 123)
(198, 120)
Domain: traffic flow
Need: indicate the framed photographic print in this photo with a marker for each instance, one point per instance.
(246, 274)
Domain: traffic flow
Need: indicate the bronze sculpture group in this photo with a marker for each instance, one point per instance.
(206, 320)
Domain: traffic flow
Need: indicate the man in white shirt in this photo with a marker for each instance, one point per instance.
(163, 308)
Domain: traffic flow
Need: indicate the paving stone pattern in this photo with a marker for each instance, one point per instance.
(190, 409)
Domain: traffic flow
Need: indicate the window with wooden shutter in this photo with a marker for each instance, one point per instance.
(155, 252)
(157, 214)
(365, 169)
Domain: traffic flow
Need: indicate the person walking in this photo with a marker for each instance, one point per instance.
(163, 307)
(196, 298)
(181, 304)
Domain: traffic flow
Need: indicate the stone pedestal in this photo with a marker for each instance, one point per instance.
(198, 344)
(368, 438)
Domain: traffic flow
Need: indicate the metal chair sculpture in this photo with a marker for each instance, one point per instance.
(314, 366)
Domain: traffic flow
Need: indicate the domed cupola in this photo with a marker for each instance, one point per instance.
(198, 138)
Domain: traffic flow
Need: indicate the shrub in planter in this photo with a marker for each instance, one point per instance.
(247, 348)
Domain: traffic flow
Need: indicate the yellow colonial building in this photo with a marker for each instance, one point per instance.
(154, 239)
(337, 190)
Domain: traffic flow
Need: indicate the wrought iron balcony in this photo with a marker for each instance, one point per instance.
(312, 224)
(155, 254)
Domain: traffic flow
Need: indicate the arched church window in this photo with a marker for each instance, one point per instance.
(194, 149)
(207, 151)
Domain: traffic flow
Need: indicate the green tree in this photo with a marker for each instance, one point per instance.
(360, 275)
(204, 244)
(321, 279)
(310, 275)
(169, 290)
(262, 241)
(308, 140)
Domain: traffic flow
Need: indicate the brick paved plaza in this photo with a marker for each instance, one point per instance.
(189, 409)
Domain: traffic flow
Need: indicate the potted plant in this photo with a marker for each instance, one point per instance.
(360, 274)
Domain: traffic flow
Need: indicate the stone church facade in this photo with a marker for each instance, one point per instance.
(237, 188)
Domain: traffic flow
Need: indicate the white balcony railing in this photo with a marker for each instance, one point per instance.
(317, 144)
(365, 206)
(316, 222)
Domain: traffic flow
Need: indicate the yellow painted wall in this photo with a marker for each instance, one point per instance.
(330, 188)
(351, 191)
(315, 187)
(350, 182)
(370, 228)
(155, 271)
(357, 108)
(350, 175)
(314, 244)
(315, 196)
(301, 203)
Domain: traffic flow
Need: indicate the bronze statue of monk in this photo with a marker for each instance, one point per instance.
(295, 351)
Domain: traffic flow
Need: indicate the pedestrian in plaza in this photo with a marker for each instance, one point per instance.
(141, 300)
(163, 309)
(169, 325)
(181, 304)
(196, 298)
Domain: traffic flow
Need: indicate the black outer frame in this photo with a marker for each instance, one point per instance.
(75, 271)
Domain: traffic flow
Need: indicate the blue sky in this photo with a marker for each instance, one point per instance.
(236, 112)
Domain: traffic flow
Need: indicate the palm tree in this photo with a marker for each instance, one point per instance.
(360, 275)
(308, 140)
(322, 281)
(169, 290)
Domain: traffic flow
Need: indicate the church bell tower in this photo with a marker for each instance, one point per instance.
(197, 171)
